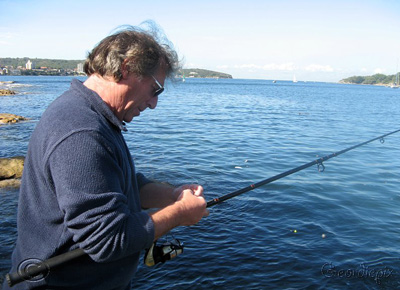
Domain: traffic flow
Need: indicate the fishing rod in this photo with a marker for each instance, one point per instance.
(318, 162)
(161, 253)
(34, 269)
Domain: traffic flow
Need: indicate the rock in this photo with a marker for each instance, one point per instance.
(12, 167)
(10, 183)
(10, 118)
(6, 92)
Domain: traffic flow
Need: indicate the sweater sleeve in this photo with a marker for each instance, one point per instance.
(142, 180)
(91, 182)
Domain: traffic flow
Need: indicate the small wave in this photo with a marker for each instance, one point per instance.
(18, 85)
(381, 261)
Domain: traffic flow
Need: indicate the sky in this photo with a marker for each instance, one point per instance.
(315, 40)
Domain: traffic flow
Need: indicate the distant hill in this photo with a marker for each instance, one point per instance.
(41, 62)
(376, 79)
(72, 64)
(202, 73)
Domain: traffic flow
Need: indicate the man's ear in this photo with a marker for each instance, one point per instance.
(125, 69)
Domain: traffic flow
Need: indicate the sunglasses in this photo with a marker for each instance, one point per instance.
(160, 87)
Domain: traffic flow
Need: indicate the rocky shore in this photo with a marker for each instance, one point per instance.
(6, 92)
(6, 118)
(11, 167)
(11, 171)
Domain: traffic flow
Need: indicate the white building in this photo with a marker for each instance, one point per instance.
(28, 65)
(80, 68)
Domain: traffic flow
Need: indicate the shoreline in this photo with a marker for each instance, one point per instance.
(7, 118)
(380, 84)
(6, 92)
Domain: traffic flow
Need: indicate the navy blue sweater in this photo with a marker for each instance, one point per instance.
(80, 189)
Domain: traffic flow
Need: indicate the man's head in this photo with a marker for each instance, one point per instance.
(134, 49)
(131, 65)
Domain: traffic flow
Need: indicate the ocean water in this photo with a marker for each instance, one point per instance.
(337, 229)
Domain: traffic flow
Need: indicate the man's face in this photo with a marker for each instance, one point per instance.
(141, 93)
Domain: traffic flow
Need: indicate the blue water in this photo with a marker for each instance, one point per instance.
(337, 229)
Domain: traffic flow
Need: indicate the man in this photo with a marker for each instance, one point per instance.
(79, 187)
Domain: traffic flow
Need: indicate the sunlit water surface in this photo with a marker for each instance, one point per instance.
(337, 229)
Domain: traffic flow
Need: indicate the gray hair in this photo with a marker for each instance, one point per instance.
(142, 51)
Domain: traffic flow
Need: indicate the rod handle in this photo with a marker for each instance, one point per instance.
(32, 270)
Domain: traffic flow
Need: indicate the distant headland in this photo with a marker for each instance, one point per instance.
(376, 79)
(61, 67)
(202, 73)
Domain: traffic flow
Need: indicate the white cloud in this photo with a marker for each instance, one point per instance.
(192, 65)
(249, 66)
(319, 68)
(378, 71)
(6, 37)
(6, 34)
(265, 67)
(280, 67)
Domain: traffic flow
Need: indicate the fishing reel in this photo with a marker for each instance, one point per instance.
(162, 252)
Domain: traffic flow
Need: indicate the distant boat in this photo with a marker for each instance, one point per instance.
(396, 83)
(294, 79)
(274, 81)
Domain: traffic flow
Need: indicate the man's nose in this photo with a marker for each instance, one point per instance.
(152, 103)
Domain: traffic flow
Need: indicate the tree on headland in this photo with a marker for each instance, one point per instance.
(376, 79)
(202, 73)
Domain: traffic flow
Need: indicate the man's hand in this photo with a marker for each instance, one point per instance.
(192, 203)
(188, 209)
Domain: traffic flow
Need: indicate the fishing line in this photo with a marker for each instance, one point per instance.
(31, 269)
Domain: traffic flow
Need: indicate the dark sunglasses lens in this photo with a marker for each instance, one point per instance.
(158, 92)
